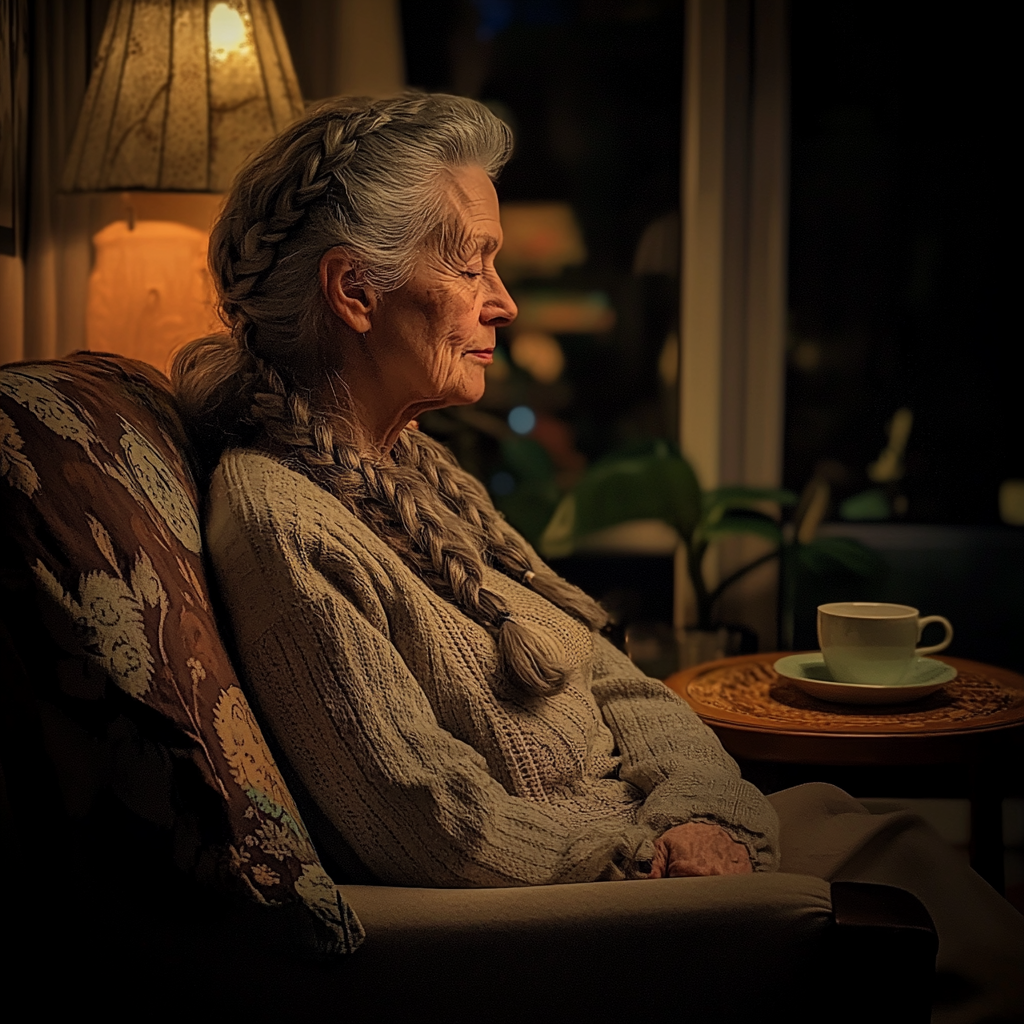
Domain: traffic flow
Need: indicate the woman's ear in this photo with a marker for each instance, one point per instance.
(344, 287)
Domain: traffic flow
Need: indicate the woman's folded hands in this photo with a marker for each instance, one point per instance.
(698, 848)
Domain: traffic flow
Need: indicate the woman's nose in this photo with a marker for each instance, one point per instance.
(499, 309)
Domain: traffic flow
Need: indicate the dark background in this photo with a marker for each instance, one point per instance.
(902, 255)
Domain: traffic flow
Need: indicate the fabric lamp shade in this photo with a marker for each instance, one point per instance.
(182, 92)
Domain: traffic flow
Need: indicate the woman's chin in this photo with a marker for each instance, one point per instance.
(469, 392)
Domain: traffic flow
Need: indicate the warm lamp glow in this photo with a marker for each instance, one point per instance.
(182, 93)
(539, 354)
(179, 98)
(149, 291)
(1011, 502)
(564, 312)
(540, 240)
(228, 32)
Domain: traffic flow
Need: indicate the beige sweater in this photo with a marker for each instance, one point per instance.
(384, 699)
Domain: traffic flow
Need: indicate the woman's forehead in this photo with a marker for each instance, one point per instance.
(475, 207)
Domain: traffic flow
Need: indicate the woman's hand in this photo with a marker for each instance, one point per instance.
(698, 848)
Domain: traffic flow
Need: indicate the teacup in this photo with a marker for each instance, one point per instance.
(869, 642)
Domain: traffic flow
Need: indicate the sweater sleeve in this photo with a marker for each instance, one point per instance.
(672, 757)
(417, 805)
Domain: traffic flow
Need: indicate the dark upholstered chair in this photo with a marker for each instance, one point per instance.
(156, 862)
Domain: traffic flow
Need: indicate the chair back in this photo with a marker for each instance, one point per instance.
(111, 650)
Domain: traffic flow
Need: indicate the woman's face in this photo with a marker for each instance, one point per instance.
(433, 338)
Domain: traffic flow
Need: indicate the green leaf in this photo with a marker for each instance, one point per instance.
(825, 553)
(719, 501)
(656, 483)
(751, 523)
(529, 507)
(639, 448)
(872, 505)
(747, 497)
(558, 538)
(527, 459)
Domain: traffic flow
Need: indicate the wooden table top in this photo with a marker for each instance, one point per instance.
(759, 714)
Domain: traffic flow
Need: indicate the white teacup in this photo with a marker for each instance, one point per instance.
(872, 643)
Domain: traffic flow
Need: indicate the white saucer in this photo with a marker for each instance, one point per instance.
(808, 671)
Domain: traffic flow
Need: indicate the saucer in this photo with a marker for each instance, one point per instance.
(809, 672)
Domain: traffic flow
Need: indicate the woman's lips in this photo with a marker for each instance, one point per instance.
(485, 355)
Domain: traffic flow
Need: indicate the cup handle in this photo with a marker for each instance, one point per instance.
(921, 623)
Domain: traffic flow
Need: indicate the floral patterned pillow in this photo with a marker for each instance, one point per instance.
(97, 494)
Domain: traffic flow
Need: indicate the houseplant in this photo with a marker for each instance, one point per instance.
(652, 480)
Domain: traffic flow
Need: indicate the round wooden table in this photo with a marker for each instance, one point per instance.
(972, 721)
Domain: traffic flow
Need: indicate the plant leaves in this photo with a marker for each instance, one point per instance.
(758, 525)
(746, 497)
(530, 507)
(825, 553)
(656, 483)
(721, 500)
(868, 506)
(527, 459)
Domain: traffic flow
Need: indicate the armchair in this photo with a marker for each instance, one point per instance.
(154, 850)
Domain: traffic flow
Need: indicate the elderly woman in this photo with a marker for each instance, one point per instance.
(446, 700)
(443, 696)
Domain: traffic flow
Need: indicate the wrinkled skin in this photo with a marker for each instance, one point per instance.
(698, 848)
(426, 344)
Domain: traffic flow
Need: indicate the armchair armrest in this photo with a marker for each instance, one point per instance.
(722, 949)
(892, 927)
(716, 949)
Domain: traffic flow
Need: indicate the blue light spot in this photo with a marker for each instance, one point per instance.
(522, 419)
(492, 17)
(502, 483)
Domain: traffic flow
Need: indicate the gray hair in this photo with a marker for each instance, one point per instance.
(368, 175)
(364, 174)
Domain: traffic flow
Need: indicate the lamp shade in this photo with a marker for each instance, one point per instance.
(182, 92)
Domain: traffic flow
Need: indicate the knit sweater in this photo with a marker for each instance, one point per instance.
(387, 703)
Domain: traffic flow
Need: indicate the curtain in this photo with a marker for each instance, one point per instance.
(43, 289)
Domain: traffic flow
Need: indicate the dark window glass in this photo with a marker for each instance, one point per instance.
(902, 220)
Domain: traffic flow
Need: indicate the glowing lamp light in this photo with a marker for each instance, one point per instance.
(522, 419)
(228, 32)
(541, 239)
(181, 94)
(149, 291)
(539, 354)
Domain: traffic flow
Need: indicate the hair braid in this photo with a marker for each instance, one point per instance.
(506, 549)
(365, 175)
(446, 552)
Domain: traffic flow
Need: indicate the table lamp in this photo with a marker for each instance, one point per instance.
(182, 92)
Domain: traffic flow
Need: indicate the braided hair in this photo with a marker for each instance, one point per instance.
(367, 175)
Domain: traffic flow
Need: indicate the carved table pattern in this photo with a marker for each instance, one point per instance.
(756, 691)
(975, 721)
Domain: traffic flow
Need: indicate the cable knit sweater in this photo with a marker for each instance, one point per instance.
(386, 701)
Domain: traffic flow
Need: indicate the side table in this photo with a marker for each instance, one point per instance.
(974, 722)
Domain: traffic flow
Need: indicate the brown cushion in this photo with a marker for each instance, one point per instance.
(98, 495)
